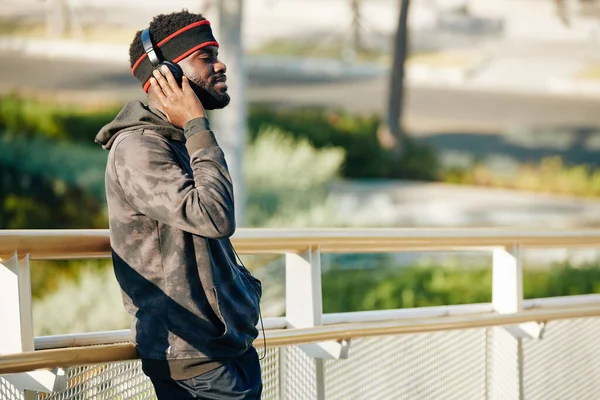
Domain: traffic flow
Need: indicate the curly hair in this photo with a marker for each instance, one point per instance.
(161, 26)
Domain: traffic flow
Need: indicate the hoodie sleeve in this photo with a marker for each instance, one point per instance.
(155, 185)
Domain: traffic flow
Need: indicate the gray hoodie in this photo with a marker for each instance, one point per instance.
(171, 213)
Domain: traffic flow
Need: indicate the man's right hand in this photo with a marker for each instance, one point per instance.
(180, 104)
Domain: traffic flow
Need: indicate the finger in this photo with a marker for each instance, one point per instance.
(170, 78)
(162, 82)
(185, 84)
(155, 87)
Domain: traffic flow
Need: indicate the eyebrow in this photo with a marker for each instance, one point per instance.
(210, 50)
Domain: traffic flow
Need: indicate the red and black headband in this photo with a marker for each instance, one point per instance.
(175, 47)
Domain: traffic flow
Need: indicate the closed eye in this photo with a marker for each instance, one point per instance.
(207, 57)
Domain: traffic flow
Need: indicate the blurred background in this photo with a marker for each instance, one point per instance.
(351, 113)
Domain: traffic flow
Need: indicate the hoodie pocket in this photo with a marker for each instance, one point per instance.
(237, 303)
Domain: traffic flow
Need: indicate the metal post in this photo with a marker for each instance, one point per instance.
(504, 382)
(16, 319)
(507, 289)
(304, 309)
(506, 375)
(507, 280)
(12, 337)
(304, 303)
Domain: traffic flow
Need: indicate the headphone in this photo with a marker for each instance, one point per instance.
(157, 61)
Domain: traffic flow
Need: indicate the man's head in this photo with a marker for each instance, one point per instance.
(186, 39)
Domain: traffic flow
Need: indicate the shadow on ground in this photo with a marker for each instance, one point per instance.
(575, 145)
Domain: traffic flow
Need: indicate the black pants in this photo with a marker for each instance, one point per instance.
(239, 379)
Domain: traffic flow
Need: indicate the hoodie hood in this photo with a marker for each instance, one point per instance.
(136, 115)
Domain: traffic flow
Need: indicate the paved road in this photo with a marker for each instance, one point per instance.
(426, 107)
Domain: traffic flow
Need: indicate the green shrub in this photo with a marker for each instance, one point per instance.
(385, 287)
(48, 276)
(563, 279)
(356, 135)
(99, 305)
(75, 165)
(35, 201)
(51, 172)
(286, 181)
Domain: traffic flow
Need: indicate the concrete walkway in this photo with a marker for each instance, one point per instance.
(416, 204)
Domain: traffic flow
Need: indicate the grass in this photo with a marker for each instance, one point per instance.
(551, 175)
(445, 59)
(331, 50)
(336, 50)
(14, 27)
(590, 73)
(96, 33)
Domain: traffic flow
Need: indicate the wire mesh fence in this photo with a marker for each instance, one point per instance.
(126, 381)
(565, 364)
(444, 365)
(9, 391)
(463, 364)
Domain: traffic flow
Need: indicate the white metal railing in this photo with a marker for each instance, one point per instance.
(319, 336)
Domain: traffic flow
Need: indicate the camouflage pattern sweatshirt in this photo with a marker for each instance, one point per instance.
(171, 213)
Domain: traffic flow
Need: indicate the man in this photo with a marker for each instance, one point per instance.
(171, 213)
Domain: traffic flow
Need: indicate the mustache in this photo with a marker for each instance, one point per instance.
(218, 78)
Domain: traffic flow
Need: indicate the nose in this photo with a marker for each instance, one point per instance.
(220, 67)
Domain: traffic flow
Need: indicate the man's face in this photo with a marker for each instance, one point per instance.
(206, 74)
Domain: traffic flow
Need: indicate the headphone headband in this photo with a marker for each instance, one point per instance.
(149, 48)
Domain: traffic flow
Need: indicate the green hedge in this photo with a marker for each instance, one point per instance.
(27, 117)
(386, 287)
(35, 201)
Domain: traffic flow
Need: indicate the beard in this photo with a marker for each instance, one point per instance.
(210, 97)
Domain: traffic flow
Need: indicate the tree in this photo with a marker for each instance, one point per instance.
(390, 133)
(356, 41)
(206, 7)
(230, 123)
(567, 9)
(62, 16)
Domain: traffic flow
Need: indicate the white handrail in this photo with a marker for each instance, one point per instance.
(73, 244)
(13, 363)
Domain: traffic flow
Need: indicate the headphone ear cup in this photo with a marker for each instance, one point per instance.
(175, 70)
